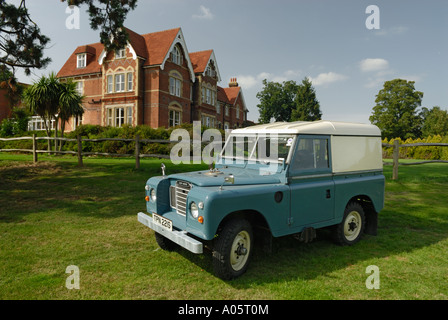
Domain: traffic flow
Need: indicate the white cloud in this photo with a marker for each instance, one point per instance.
(327, 78)
(205, 14)
(392, 31)
(250, 81)
(368, 65)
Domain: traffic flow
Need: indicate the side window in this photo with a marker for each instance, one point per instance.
(312, 154)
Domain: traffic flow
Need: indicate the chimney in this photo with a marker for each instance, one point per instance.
(233, 83)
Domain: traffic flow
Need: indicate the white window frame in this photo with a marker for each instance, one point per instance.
(120, 82)
(130, 81)
(81, 61)
(110, 83)
(129, 116)
(176, 56)
(120, 54)
(175, 86)
(80, 87)
(174, 118)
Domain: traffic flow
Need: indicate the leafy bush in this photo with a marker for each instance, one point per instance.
(419, 152)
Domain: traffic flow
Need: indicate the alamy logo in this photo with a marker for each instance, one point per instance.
(72, 281)
(373, 280)
(73, 20)
(373, 21)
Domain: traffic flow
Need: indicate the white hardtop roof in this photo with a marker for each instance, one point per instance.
(316, 127)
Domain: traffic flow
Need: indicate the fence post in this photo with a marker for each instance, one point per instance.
(396, 157)
(34, 149)
(80, 164)
(137, 152)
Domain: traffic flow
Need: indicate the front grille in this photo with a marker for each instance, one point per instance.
(178, 196)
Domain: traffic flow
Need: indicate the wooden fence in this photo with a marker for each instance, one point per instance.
(396, 146)
(396, 154)
(79, 153)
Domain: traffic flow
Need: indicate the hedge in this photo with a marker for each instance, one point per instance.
(421, 152)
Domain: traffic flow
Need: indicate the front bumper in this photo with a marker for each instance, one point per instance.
(179, 237)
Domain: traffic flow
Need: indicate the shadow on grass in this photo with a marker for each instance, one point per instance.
(102, 188)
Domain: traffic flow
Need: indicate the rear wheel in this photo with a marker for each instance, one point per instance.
(350, 230)
(233, 249)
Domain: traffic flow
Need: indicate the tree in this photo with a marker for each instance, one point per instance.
(70, 104)
(53, 100)
(22, 44)
(288, 102)
(435, 122)
(276, 101)
(395, 112)
(21, 41)
(307, 106)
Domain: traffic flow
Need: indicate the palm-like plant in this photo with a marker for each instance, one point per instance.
(53, 100)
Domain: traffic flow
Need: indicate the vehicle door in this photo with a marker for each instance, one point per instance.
(311, 182)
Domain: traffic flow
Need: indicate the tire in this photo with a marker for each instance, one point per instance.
(165, 243)
(232, 250)
(350, 230)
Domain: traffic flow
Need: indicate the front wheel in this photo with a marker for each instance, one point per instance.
(233, 249)
(350, 230)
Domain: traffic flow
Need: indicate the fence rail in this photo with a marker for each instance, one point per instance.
(396, 154)
(138, 155)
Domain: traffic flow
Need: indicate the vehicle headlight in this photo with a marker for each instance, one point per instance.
(194, 210)
(153, 195)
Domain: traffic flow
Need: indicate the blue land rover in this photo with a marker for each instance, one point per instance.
(280, 179)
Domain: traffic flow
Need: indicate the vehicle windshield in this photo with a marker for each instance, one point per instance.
(264, 148)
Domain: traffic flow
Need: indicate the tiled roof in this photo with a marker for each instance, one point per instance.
(199, 60)
(70, 67)
(158, 44)
(153, 47)
(228, 95)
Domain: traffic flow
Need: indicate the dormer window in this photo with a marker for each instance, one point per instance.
(81, 60)
(176, 56)
(120, 54)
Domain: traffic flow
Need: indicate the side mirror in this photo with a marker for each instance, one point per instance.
(163, 169)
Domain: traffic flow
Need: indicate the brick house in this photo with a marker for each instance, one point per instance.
(154, 81)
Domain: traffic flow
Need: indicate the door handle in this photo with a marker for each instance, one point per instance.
(328, 194)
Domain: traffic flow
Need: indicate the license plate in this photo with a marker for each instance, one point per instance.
(163, 222)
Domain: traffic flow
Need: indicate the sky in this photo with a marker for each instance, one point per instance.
(347, 51)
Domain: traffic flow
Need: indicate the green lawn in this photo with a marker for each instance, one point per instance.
(54, 215)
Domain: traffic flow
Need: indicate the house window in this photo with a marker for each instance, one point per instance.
(175, 86)
(79, 88)
(77, 121)
(110, 84)
(203, 94)
(227, 111)
(209, 96)
(130, 81)
(176, 56)
(120, 54)
(174, 118)
(117, 117)
(81, 60)
(237, 111)
(129, 116)
(119, 83)
(218, 108)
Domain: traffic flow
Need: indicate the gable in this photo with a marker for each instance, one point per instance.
(201, 60)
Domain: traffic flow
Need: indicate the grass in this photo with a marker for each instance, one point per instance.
(54, 215)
